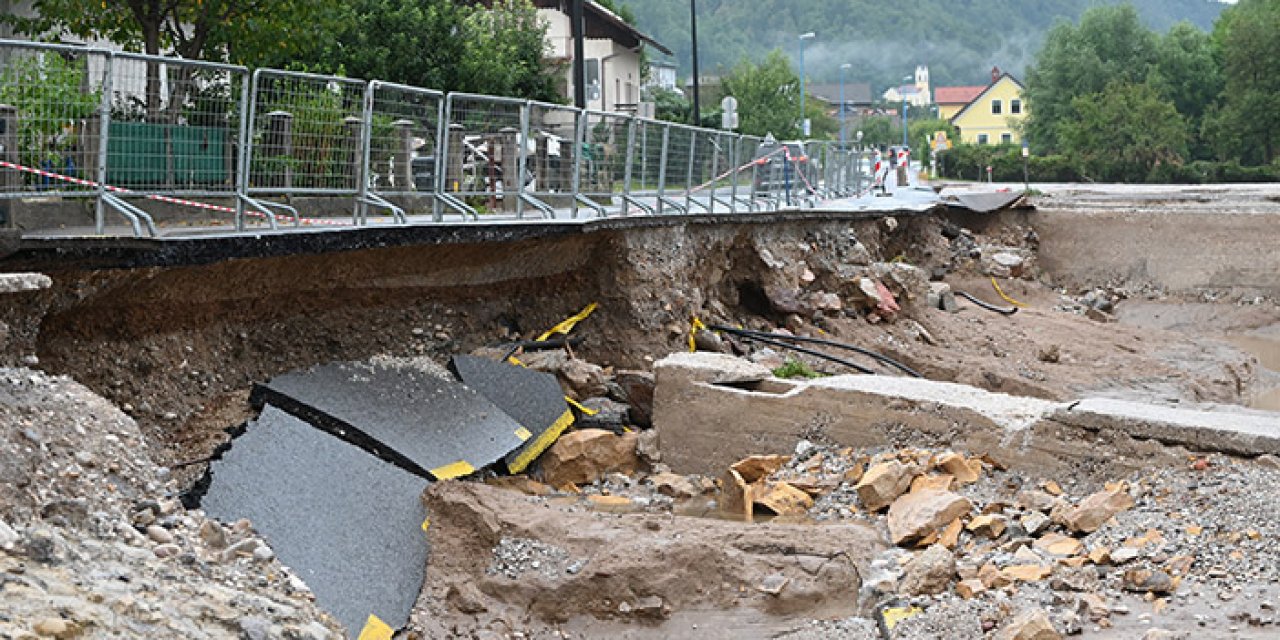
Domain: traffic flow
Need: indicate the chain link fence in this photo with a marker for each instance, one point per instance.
(169, 144)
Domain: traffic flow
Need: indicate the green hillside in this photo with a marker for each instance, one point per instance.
(960, 40)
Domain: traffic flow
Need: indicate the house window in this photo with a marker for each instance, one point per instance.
(1015, 107)
(995, 107)
(1006, 138)
(982, 138)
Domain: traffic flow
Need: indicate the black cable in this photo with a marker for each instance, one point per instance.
(831, 343)
(987, 305)
(813, 352)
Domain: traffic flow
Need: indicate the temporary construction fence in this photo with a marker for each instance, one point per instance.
(253, 149)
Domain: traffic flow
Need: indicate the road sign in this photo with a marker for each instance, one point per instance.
(729, 104)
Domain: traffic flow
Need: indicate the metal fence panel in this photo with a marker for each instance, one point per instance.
(402, 143)
(603, 175)
(553, 153)
(51, 119)
(305, 134)
(175, 125)
(483, 160)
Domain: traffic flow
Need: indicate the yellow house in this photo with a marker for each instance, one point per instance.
(995, 115)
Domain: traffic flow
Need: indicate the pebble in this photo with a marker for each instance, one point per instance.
(54, 627)
(263, 553)
(166, 550)
(159, 534)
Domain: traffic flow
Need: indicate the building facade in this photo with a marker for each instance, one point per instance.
(995, 115)
(611, 50)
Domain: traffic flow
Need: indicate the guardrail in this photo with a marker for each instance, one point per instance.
(165, 142)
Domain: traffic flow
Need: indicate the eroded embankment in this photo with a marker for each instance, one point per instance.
(178, 347)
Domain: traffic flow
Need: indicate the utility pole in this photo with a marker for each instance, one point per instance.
(693, 29)
(579, 57)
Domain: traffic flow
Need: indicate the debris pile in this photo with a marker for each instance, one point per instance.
(95, 543)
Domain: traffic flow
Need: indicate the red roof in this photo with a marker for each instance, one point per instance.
(956, 95)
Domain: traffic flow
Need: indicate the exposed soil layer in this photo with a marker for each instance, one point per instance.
(178, 347)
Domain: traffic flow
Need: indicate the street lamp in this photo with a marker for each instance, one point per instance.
(804, 122)
(843, 68)
(1026, 177)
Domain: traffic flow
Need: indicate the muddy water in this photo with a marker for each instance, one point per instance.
(1267, 350)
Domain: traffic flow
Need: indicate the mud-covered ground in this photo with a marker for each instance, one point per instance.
(176, 351)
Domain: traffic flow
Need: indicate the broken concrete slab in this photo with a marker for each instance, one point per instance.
(408, 412)
(532, 398)
(1229, 430)
(350, 525)
(702, 430)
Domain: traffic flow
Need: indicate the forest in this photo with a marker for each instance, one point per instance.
(960, 40)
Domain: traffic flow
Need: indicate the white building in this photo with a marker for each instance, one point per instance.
(662, 75)
(917, 94)
(612, 53)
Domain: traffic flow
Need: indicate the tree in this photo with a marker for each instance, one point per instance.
(1110, 45)
(439, 44)
(1187, 73)
(217, 30)
(236, 30)
(1248, 124)
(1124, 132)
(768, 96)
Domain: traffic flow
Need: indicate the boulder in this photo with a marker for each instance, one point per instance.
(782, 499)
(883, 483)
(1087, 516)
(965, 471)
(638, 387)
(1028, 625)
(673, 485)
(583, 456)
(928, 573)
(756, 468)
(988, 525)
(918, 514)
(583, 379)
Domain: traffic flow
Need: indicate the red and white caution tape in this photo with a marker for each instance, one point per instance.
(157, 198)
(758, 161)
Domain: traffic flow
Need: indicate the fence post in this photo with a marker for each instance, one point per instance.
(505, 145)
(356, 159)
(242, 149)
(363, 170)
(715, 169)
(9, 179)
(438, 163)
(104, 139)
(522, 156)
(662, 166)
(626, 170)
(579, 149)
(736, 163)
(688, 181)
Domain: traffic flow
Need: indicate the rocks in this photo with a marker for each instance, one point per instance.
(1059, 545)
(964, 471)
(673, 485)
(928, 573)
(970, 588)
(1028, 625)
(583, 379)
(1096, 509)
(920, 513)
(988, 525)
(1034, 522)
(166, 550)
(755, 468)
(159, 534)
(638, 387)
(583, 456)
(1148, 580)
(883, 483)
(213, 535)
(941, 296)
(8, 537)
(54, 628)
(781, 498)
